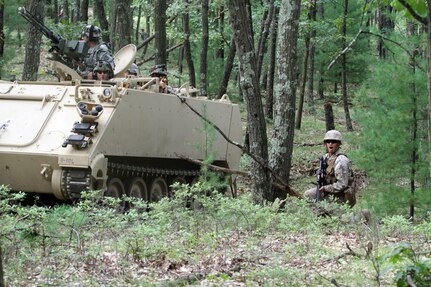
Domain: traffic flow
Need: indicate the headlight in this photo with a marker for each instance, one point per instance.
(107, 93)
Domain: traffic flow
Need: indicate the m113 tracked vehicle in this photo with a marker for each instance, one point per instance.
(121, 136)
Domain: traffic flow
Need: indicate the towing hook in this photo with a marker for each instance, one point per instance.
(46, 171)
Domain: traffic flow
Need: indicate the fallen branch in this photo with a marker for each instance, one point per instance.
(282, 185)
(350, 252)
(308, 144)
(213, 167)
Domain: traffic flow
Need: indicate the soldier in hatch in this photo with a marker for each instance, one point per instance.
(338, 177)
(132, 71)
(98, 52)
(103, 71)
(159, 71)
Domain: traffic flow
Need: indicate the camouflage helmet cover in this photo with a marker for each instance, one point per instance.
(333, 135)
(158, 70)
(103, 66)
(93, 33)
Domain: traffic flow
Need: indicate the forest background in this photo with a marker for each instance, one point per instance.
(282, 61)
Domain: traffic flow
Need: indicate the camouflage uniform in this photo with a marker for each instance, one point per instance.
(339, 179)
(100, 52)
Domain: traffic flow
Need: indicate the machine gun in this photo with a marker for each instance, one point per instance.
(64, 51)
(320, 177)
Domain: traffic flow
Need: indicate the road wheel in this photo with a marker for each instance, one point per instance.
(115, 188)
(159, 189)
(136, 187)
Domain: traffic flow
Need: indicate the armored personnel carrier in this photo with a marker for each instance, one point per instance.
(121, 136)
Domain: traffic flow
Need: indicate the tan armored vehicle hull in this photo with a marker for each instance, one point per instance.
(120, 136)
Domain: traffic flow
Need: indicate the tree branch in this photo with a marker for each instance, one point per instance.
(398, 44)
(148, 40)
(153, 56)
(354, 39)
(281, 183)
(345, 50)
(412, 12)
(377, 35)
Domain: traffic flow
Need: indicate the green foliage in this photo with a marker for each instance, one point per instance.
(386, 144)
(405, 262)
(225, 239)
(420, 7)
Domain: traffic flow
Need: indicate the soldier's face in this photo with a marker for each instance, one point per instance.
(332, 146)
(102, 75)
(163, 81)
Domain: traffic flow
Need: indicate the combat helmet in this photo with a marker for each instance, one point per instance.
(332, 135)
(92, 32)
(103, 66)
(133, 69)
(158, 70)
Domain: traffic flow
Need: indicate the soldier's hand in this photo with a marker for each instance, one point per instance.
(322, 189)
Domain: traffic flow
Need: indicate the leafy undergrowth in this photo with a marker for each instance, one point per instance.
(204, 238)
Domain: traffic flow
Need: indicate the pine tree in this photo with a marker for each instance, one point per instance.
(386, 144)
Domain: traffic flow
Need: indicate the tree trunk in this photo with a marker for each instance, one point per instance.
(160, 42)
(385, 25)
(227, 69)
(303, 82)
(34, 39)
(329, 117)
(344, 69)
(414, 127)
(113, 35)
(266, 22)
(285, 89)
(76, 10)
(312, 11)
(271, 66)
(146, 36)
(1, 268)
(429, 79)
(64, 11)
(123, 27)
(240, 20)
(99, 11)
(2, 35)
(138, 24)
(220, 22)
(204, 49)
(83, 14)
(180, 60)
(187, 48)
(320, 87)
(55, 11)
